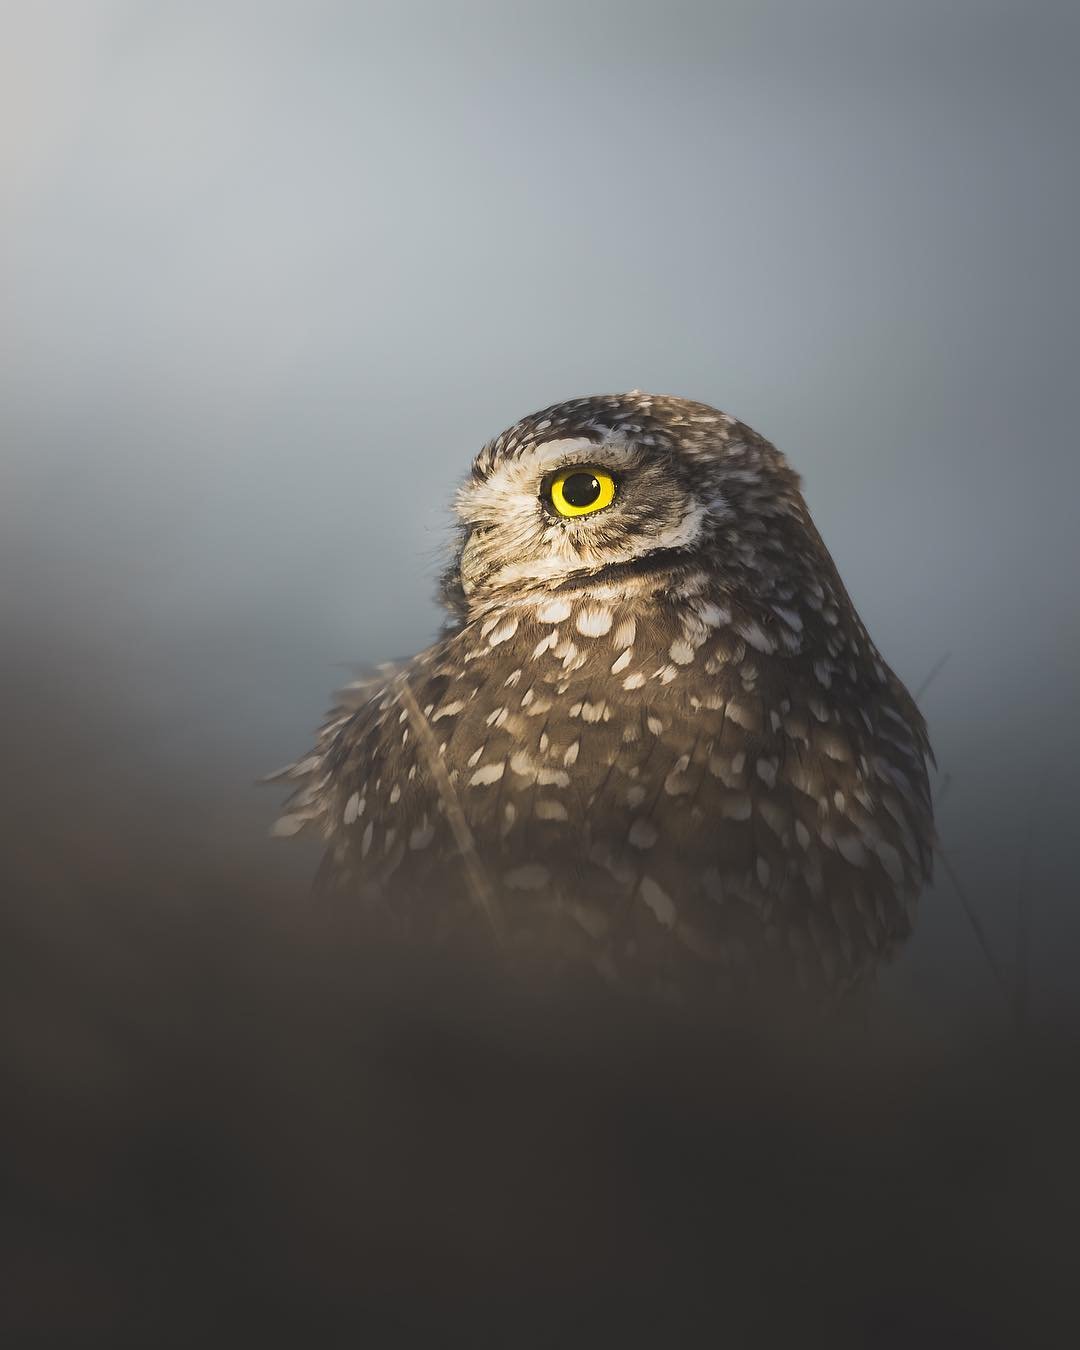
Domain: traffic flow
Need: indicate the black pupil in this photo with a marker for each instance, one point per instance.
(580, 489)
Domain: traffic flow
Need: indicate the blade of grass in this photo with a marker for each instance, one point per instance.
(975, 923)
(935, 671)
(476, 876)
(1024, 908)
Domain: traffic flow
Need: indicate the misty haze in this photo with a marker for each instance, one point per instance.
(271, 278)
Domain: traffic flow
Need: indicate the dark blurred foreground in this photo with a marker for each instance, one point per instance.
(227, 1121)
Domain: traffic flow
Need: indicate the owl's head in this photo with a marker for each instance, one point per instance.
(623, 490)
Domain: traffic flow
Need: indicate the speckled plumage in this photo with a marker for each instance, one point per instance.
(666, 746)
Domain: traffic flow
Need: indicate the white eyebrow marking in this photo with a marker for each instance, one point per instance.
(485, 500)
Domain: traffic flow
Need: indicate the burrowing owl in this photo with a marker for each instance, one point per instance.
(654, 737)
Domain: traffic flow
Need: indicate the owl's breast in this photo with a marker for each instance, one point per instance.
(632, 793)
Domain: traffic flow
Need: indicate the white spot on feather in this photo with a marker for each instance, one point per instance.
(743, 714)
(550, 810)
(681, 652)
(490, 773)
(658, 901)
(521, 763)
(756, 636)
(713, 615)
(594, 622)
(823, 674)
(448, 710)
(505, 630)
(553, 611)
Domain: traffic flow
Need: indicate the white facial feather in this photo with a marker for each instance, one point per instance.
(515, 541)
(514, 484)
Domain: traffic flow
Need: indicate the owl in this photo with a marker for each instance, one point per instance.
(654, 740)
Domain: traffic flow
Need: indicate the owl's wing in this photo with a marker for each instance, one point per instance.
(460, 781)
(315, 777)
(376, 790)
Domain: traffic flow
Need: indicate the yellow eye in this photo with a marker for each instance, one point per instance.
(579, 492)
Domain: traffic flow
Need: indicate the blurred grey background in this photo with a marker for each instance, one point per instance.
(271, 274)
